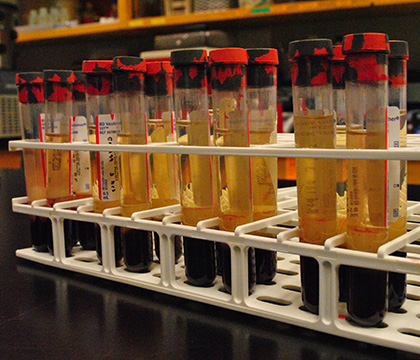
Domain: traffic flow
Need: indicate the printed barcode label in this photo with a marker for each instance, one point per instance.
(393, 165)
(107, 128)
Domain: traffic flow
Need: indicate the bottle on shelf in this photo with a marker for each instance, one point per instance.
(128, 78)
(397, 71)
(58, 112)
(315, 178)
(103, 128)
(198, 176)
(30, 87)
(83, 232)
(231, 128)
(367, 187)
(161, 129)
(262, 113)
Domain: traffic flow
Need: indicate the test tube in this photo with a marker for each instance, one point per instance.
(231, 128)
(339, 101)
(103, 128)
(397, 69)
(58, 112)
(161, 129)
(316, 178)
(198, 176)
(31, 112)
(262, 113)
(367, 211)
(128, 77)
(83, 231)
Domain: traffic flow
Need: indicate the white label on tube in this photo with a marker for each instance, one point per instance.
(107, 128)
(80, 159)
(41, 129)
(393, 165)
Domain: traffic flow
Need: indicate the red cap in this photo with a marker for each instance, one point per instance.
(263, 56)
(29, 78)
(338, 53)
(128, 63)
(97, 66)
(229, 56)
(155, 67)
(366, 42)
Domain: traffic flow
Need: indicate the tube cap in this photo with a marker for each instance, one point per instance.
(159, 67)
(30, 87)
(310, 47)
(59, 76)
(128, 63)
(189, 57)
(29, 78)
(228, 56)
(158, 78)
(97, 66)
(338, 53)
(262, 56)
(398, 49)
(366, 42)
(79, 77)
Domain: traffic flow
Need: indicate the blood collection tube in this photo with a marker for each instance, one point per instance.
(83, 232)
(262, 113)
(367, 189)
(160, 124)
(199, 200)
(397, 70)
(58, 112)
(339, 101)
(316, 178)
(128, 77)
(231, 128)
(103, 128)
(31, 112)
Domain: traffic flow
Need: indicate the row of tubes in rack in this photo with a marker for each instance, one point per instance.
(227, 98)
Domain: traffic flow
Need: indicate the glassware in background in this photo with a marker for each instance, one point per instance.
(30, 87)
(103, 128)
(367, 186)
(228, 80)
(161, 127)
(397, 70)
(315, 178)
(262, 113)
(58, 113)
(198, 175)
(128, 78)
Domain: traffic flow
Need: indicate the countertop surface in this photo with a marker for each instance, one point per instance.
(48, 313)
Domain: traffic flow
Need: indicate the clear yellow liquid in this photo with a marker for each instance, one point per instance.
(264, 179)
(198, 173)
(98, 205)
(341, 181)
(399, 227)
(34, 166)
(58, 170)
(165, 189)
(135, 187)
(316, 180)
(235, 181)
(367, 191)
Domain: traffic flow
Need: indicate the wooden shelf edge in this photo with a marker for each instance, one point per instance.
(236, 14)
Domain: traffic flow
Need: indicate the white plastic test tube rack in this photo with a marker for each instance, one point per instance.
(280, 301)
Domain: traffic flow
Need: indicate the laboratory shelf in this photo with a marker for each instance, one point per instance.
(280, 301)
